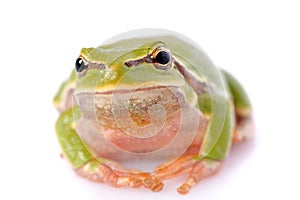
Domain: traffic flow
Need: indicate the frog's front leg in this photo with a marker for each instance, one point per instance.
(98, 170)
(196, 168)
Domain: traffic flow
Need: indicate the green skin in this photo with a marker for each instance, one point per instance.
(226, 100)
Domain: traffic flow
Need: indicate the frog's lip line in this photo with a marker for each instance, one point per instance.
(124, 91)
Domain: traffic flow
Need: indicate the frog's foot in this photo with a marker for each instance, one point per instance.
(244, 129)
(117, 177)
(195, 167)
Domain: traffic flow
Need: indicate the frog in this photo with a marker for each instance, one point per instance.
(150, 97)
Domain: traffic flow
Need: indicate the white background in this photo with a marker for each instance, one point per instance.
(257, 41)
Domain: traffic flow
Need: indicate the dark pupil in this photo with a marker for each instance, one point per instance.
(162, 57)
(79, 65)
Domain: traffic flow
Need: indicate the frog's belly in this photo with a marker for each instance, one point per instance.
(179, 132)
(165, 131)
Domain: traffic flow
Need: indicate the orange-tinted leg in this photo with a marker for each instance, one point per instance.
(98, 172)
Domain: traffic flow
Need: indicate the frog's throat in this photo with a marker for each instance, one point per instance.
(131, 103)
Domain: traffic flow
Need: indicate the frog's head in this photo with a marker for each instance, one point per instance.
(108, 68)
(131, 87)
(137, 91)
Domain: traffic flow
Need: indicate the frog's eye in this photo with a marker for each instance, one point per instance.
(162, 58)
(80, 65)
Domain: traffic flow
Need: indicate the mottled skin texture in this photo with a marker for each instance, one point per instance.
(210, 102)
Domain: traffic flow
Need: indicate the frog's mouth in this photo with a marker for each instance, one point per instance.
(132, 90)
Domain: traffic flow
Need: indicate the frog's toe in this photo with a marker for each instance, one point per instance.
(195, 167)
(244, 129)
(153, 184)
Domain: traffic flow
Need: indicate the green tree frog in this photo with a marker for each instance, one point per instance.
(148, 106)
